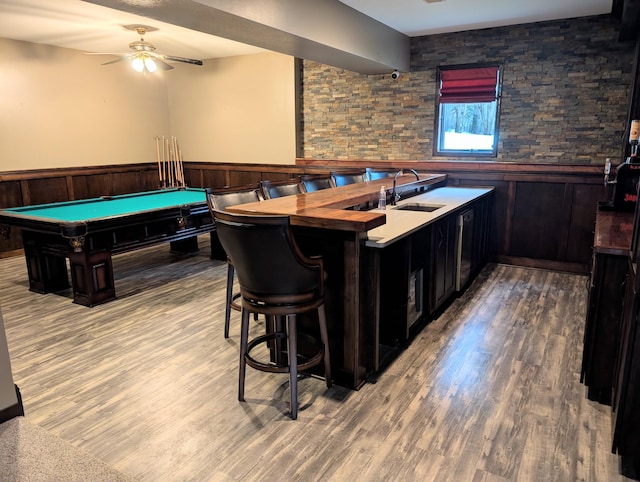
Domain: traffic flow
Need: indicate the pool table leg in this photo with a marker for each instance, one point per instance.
(47, 272)
(185, 246)
(92, 278)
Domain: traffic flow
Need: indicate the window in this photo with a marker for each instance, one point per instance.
(467, 105)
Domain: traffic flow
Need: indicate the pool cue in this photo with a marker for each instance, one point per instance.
(173, 166)
(176, 177)
(159, 165)
(173, 158)
(174, 174)
(180, 165)
(169, 174)
(184, 184)
(164, 170)
(180, 180)
(175, 152)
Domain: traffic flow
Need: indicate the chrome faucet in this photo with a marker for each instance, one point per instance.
(395, 197)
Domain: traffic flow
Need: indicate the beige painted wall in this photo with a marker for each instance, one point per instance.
(236, 109)
(60, 108)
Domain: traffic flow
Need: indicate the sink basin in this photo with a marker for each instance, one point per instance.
(428, 208)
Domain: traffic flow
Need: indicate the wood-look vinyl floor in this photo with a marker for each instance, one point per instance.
(487, 392)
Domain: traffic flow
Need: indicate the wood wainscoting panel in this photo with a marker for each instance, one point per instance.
(582, 223)
(48, 190)
(537, 220)
(276, 176)
(522, 209)
(240, 178)
(127, 182)
(10, 194)
(92, 185)
(209, 178)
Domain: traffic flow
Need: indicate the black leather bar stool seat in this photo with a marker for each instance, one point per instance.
(276, 279)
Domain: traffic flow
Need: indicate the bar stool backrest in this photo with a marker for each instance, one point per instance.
(316, 182)
(374, 174)
(271, 269)
(346, 178)
(221, 198)
(275, 189)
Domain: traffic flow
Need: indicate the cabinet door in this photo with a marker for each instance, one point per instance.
(602, 328)
(394, 275)
(482, 220)
(626, 393)
(443, 262)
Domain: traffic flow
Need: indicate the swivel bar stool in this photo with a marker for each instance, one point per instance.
(276, 280)
(344, 178)
(219, 199)
(316, 182)
(276, 189)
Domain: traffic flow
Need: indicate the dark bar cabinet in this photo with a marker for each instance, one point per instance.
(612, 243)
(626, 388)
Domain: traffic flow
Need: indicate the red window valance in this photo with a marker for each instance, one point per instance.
(468, 85)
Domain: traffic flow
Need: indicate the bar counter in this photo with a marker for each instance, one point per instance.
(333, 223)
(613, 232)
(334, 208)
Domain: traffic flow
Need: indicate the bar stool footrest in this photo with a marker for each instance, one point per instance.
(309, 362)
(233, 304)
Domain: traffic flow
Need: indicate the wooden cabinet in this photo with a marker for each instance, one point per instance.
(395, 265)
(442, 279)
(626, 382)
(482, 228)
(404, 268)
(602, 328)
(626, 389)
(606, 297)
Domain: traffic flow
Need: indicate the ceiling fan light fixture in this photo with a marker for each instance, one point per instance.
(150, 64)
(137, 64)
(143, 58)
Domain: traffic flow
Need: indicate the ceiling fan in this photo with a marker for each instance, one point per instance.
(144, 56)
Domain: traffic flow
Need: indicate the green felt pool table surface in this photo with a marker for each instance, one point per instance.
(110, 206)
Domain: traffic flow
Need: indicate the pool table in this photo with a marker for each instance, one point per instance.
(89, 231)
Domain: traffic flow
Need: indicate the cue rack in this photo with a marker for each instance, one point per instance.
(170, 163)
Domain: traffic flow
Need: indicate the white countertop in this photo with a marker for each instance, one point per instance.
(402, 223)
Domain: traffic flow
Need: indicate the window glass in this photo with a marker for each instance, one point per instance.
(467, 108)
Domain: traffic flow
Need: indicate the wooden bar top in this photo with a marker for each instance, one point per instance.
(613, 232)
(329, 208)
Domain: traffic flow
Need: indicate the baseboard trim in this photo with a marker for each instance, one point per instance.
(576, 268)
(13, 411)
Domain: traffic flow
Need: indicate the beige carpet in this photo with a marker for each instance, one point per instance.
(29, 453)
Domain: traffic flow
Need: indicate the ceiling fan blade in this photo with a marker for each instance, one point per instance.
(144, 50)
(162, 64)
(124, 57)
(182, 59)
(103, 53)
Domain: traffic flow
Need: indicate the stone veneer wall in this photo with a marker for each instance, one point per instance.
(565, 92)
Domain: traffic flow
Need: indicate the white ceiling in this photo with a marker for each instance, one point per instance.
(84, 26)
(421, 17)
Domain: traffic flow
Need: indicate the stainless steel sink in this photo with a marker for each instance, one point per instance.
(419, 207)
